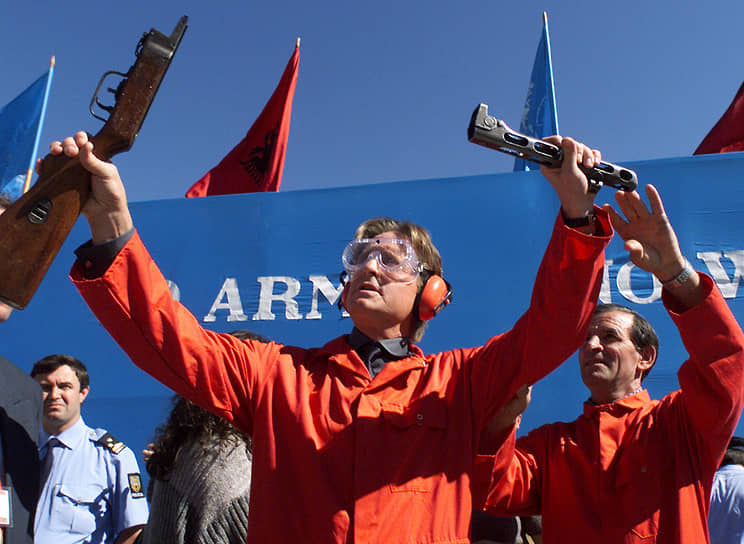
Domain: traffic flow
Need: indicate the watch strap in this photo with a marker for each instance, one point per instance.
(680, 278)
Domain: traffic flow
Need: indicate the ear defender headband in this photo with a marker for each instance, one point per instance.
(434, 295)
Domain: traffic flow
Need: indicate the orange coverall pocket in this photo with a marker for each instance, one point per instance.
(419, 430)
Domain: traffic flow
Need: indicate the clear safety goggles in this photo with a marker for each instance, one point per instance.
(395, 257)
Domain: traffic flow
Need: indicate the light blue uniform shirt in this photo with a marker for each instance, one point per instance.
(87, 496)
(726, 517)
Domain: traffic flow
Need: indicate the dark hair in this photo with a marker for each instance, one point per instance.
(642, 334)
(50, 363)
(187, 421)
(733, 457)
(245, 334)
(5, 201)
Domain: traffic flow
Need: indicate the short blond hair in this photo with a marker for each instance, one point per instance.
(420, 239)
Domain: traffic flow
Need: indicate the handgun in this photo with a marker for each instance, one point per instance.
(494, 133)
(33, 229)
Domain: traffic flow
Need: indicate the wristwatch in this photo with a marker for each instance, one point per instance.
(680, 278)
(579, 221)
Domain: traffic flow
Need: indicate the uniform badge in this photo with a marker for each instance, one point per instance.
(135, 485)
(108, 441)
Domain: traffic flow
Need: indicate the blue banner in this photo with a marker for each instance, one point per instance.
(20, 126)
(270, 262)
(540, 114)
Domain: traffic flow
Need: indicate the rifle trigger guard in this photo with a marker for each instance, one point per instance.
(95, 101)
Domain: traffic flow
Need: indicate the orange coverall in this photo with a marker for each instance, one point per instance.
(637, 470)
(340, 457)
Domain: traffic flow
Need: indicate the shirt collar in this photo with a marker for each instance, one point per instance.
(626, 404)
(395, 348)
(69, 438)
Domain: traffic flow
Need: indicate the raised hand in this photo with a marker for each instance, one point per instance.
(106, 208)
(648, 234)
(569, 181)
(652, 244)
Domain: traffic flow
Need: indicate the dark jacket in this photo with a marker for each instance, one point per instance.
(20, 407)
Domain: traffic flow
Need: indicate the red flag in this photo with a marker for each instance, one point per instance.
(257, 162)
(728, 133)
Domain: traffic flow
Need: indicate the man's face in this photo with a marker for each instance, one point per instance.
(380, 306)
(62, 398)
(4, 308)
(609, 361)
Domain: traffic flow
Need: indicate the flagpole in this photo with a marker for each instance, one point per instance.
(30, 170)
(550, 72)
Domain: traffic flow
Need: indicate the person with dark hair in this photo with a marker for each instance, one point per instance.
(200, 477)
(726, 517)
(20, 411)
(365, 439)
(91, 486)
(631, 469)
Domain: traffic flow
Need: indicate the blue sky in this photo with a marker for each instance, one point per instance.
(385, 89)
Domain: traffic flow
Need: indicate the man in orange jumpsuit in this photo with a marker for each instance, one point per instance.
(365, 439)
(632, 469)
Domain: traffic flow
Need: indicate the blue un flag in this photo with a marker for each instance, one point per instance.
(540, 114)
(20, 125)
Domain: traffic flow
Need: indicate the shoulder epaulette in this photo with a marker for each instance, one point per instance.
(108, 441)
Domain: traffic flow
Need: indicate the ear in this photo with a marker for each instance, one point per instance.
(648, 358)
(84, 393)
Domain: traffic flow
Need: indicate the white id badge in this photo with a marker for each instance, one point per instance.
(5, 507)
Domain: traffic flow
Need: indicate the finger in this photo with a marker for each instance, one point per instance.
(93, 164)
(572, 152)
(69, 147)
(55, 148)
(554, 139)
(588, 156)
(635, 250)
(617, 221)
(597, 156)
(654, 199)
(81, 138)
(631, 204)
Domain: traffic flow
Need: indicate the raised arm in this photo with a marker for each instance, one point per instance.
(712, 380)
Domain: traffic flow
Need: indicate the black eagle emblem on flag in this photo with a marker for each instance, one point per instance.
(258, 160)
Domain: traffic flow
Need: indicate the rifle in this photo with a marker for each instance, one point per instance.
(33, 229)
(490, 132)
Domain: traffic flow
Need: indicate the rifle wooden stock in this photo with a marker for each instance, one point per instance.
(34, 228)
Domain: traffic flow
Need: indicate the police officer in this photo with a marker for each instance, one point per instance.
(91, 486)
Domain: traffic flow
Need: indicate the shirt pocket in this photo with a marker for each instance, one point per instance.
(418, 436)
(80, 508)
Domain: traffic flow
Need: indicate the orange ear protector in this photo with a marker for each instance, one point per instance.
(435, 295)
